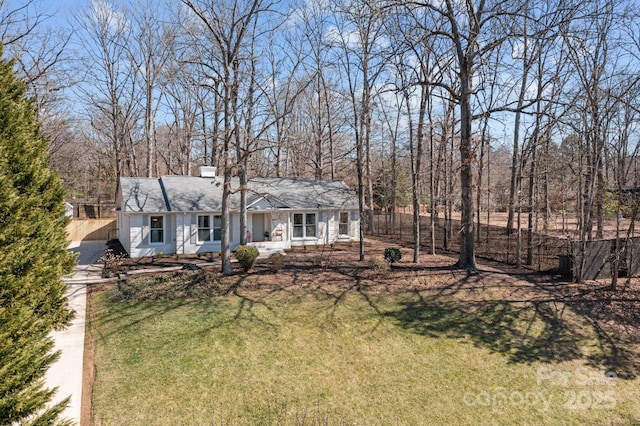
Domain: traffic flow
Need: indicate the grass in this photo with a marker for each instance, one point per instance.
(342, 355)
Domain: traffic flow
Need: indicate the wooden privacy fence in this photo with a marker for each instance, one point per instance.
(93, 209)
(92, 229)
(596, 259)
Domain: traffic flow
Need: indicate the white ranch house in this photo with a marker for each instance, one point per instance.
(182, 214)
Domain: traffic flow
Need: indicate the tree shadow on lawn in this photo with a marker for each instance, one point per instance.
(537, 322)
(527, 317)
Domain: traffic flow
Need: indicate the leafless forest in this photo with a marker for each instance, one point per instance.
(528, 108)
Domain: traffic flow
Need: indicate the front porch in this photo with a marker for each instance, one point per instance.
(268, 247)
(270, 227)
(267, 231)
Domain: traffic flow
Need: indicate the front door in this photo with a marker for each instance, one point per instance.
(258, 226)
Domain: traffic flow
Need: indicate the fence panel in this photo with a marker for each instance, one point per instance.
(92, 229)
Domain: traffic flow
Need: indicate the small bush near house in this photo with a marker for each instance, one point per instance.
(112, 261)
(392, 255)
(276, 262)
(247, 256)
(379, 266)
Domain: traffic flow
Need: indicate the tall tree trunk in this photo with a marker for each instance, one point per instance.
(227, 170)
(415, 147)
(467, 259)
(433, 217)
(530, 198)
(483, 144)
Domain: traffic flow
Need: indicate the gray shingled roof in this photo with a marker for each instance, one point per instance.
(304, 193)
(191, 193)
(142, 195)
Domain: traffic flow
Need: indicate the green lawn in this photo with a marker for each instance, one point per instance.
(312, 355)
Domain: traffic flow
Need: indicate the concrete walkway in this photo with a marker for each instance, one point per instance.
(66, 373)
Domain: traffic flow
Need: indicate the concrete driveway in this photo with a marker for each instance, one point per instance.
(66, 373)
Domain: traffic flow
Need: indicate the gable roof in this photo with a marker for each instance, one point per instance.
(305, 193)
(192, 193)
(265, 201)
(141, 195)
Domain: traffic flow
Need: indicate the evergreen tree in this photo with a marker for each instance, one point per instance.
(33, 259)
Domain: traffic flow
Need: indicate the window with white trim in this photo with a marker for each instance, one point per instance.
(217, 228)
(209, 228)
(304, 225)
(343, 223)
(156, 229)
(204, 228)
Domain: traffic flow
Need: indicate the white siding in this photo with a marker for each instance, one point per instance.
(124, 231)
(181, 232)
(139, 247)
(179, 227)
(332, 225)
(188, 225)
(354, 225)
(280, 224)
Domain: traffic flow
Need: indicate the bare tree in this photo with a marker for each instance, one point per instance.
(110, 82)
(226, 27)
(471, 34)
(150, 49)
(590, 42)
(42, 58)
(361, 57)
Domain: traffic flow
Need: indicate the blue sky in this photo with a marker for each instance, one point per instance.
(63, 8)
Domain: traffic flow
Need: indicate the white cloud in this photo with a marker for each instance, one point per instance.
(347, 37)
(102, 12)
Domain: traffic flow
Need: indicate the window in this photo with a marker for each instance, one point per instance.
(311, 225)
(156, 226)
(304, 225)
(209, 228)
(298, 229)
(343, 224)
(204, 228)
(217, 228)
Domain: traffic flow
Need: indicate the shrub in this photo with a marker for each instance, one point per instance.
(392, 255)
(277, 262)
(379, 266)
(111, 259)
(246, 255)
(112, 262)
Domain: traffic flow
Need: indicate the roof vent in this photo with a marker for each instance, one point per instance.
(207, 171)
